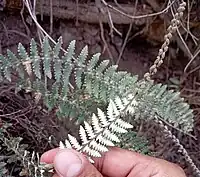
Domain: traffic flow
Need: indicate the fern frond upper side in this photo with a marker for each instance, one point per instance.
(49, 74)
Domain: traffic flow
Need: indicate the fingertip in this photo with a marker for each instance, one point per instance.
(68, 162)
(48, 157)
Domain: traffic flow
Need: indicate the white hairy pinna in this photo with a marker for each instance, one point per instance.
(103, 132)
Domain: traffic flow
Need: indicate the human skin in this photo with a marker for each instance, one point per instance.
(115, 163)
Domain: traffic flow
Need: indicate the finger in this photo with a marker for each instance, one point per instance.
(118, 162)
(62, 159)
(70, 163)
(48, 157)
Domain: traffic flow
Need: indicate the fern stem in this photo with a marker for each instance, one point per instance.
(168, 124)
(181, 149)
(175, 22)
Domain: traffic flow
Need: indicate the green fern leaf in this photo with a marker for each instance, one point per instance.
(16, 64)
(104, 91)
(6, 67)
(82, 56)
(36, 62)
(88, 82)
(64, 109)
(79, 70)
(58, 69)
(26, 61)
(22, 52)
(70, 52)
(57, 61)
(47, 58)
(39, 86)
(55, 94)
(78, 78)
(57, 47)
(68, 66)
(66, 77)
(102, 66)
(89, 73)
(3, 170)
(98, 77)
(93, 62)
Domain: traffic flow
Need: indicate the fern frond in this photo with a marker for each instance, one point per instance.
(94, 79)
(102, 133)
(169, 106)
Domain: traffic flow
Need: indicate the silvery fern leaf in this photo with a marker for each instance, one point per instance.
(74, 142)
(102, 117)
(95, 123)
(111, 136)
(83, 135)
(102, 133)
(89, 130)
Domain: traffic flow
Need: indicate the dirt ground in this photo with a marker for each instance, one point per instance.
(137, 57)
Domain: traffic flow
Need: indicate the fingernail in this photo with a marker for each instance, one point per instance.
(67, 164)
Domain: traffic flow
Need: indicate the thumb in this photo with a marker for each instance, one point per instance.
(70, 163)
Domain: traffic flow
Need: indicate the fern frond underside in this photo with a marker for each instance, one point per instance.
(104, 129)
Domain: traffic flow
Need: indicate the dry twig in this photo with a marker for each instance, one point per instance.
(127, 35)
(33, 16)
(106, 47)
(139, 16)
(51, 16)
(168, 134)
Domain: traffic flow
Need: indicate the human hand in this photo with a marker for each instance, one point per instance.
(115, 163)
